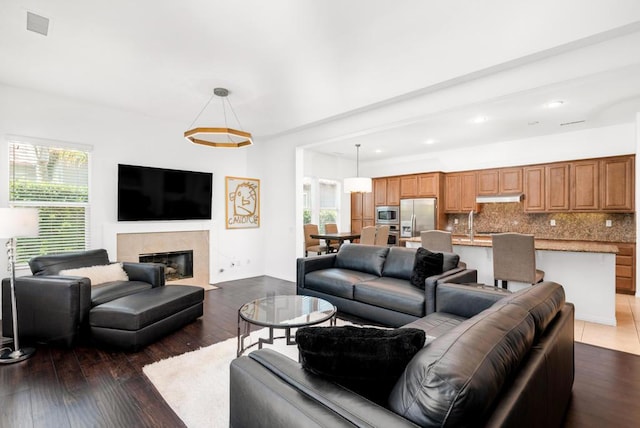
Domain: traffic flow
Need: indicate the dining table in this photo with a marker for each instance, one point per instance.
(339, 237)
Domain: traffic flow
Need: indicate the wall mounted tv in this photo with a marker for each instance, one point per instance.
(146, 193)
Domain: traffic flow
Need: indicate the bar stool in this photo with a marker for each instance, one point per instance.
(514, 259)
(437, 241)
(368, 235)
(382, 235)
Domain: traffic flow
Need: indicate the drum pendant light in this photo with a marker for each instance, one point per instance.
(357, 184)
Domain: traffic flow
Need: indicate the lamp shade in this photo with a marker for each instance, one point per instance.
(357, 185)
(18, 222)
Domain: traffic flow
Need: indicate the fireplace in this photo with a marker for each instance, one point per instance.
(177, 264)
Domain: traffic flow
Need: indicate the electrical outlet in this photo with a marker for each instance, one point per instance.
(552, 222)
(608, 223)
(455, 221)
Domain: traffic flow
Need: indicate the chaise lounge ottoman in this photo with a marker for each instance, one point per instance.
(134, 321)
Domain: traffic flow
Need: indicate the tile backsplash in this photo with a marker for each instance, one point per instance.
(510, 217)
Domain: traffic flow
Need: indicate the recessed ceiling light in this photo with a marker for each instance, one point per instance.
(429, 141)
(533, 122)
(378, 150)
(555, 104)
(480, 119)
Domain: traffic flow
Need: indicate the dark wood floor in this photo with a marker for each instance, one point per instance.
(85, 386)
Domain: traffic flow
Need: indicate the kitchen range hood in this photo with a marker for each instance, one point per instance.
(499, 199)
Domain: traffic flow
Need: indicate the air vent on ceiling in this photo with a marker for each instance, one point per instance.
(572, 123)
(37, 24)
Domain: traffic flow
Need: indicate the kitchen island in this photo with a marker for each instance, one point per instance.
(586, 270)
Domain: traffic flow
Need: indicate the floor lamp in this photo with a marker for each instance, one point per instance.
(16, 223)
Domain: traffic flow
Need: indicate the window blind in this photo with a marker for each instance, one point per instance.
(54, 179)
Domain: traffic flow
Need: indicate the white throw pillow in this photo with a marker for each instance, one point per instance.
(99, 274)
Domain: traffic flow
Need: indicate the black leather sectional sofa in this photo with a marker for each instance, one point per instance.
(491, 359)
(127, 314)
(373, 282)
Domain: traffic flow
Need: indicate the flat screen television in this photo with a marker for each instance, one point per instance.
(146, 193)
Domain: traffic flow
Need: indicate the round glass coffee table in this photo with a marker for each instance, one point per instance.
(281, 312)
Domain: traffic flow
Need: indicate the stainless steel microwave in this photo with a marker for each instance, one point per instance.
(388, 215)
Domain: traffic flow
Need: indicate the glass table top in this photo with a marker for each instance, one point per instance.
(287, 311)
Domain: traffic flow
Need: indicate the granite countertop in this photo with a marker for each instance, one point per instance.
(541, 244)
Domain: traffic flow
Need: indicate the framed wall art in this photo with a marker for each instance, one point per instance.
(242, 202)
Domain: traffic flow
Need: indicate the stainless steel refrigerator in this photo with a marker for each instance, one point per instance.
(417, 215)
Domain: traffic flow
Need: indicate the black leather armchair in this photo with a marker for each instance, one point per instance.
(55, 309)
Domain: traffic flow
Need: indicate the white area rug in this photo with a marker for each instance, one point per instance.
(196, 384)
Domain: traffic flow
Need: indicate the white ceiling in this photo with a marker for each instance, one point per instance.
(293, 63)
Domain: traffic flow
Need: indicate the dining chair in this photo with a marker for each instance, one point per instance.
(311, 244)
(382, 235)
(436, 240)
(514, 259)
(331, 228)
(368, 235)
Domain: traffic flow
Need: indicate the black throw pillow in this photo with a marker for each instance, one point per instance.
(366, 360)
(426, 264)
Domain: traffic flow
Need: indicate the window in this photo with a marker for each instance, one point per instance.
(321, 201)
(53, 177)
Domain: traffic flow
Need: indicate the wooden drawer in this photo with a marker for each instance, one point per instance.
(625, 285)
(624, 271)
(625, 249)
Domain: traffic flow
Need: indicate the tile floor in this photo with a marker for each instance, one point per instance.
(623, 337)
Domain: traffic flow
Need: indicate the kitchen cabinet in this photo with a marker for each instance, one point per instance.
(626, 268)
(534, 192)
(386, 191)
(585, 189)
(557, 187)
(509, 181)
(428, 185)
(501, 181)
(362, 211)
(488, 182)
(460, 192)
(617, 184)
(409, 186)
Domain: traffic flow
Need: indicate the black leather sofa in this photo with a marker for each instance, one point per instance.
(60, 310)
(491, 359)
(373, 282)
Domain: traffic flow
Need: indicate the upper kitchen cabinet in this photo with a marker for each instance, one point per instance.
(510, 181)
(534, 191)
(585, 190)
(501, 181)
(617, 184)
(557, 187)
(488, 182)
(419, 186)
(386, 191)
(460, 192)
(408, 186)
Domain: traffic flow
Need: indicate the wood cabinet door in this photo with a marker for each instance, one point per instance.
(617, 184)
(488, 182)
(453, 193)
(468, 191)
(510, 180)
(556, 187)
(380, 191)
(393, 191)
(534, 189)
(356, 206)
(368, 209)
(428, 185)
(585, 189)
(409, 186)
(356, 226)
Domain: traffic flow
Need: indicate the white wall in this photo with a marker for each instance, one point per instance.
(589, 143)
(119, 136)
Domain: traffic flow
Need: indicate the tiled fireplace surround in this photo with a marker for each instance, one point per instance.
(131, 245)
